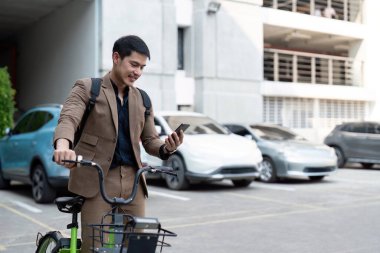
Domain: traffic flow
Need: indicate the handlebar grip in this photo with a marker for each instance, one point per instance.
(69, 161)
(78, 159)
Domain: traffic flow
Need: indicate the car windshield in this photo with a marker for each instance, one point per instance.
(274, 133)
(198, 124)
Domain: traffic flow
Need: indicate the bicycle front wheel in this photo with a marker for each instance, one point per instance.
(49, 243)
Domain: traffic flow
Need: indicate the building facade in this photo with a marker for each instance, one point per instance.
(307, 65)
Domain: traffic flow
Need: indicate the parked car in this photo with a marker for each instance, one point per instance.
(287, 154)
(208, 153)
(26, 154)
(357, 142)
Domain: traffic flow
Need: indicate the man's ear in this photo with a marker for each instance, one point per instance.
(115, 57)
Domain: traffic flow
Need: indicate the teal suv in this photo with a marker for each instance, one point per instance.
(26, 154)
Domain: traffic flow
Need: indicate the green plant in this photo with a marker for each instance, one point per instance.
(7, 104)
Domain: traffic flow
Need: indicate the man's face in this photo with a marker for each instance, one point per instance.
(130, 68)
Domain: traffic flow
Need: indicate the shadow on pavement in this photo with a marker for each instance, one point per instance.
(25, 190)
(358, 166)
(212, 186)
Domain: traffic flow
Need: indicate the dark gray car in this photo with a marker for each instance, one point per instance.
(357, 142)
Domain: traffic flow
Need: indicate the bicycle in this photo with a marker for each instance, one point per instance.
(125, 233)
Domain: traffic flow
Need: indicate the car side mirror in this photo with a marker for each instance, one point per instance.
(248, 136)
(8, 131)
(158, 129)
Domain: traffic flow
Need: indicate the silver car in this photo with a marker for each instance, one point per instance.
(286, 154)
(356, 142)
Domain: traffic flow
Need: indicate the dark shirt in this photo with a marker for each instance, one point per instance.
(123, 153)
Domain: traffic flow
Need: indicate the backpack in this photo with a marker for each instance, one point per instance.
(95, 89)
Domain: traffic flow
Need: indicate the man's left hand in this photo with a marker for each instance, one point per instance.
(173, 141)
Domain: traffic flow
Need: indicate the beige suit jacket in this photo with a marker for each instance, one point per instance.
(99, 136)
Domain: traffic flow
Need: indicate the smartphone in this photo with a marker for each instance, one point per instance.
(182, 127)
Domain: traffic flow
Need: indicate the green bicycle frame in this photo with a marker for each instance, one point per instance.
(111, 239)
(73, 242)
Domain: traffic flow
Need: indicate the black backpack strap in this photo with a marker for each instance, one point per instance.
(95, 89)
(146, 101)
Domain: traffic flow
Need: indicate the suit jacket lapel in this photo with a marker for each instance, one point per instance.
(133, 112)
(111, 98)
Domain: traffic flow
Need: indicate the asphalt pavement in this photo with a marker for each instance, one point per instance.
(337, 215)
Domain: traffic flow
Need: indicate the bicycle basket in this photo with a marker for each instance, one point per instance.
(129, 234)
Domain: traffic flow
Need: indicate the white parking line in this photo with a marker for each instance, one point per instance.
(27, 207)
(31, 219)
(274, 187)
(168, 195)
(27, 217)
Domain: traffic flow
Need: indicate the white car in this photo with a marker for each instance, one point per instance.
(208, 153)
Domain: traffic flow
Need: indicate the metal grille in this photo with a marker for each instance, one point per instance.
(348, 10)
(318, 169)
(300, 112)
(288, 66)
(333, 112)
(241, 170)
(289, 112)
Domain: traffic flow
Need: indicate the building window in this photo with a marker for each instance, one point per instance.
(181, 49)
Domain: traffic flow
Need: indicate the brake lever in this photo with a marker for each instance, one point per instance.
(167, 172)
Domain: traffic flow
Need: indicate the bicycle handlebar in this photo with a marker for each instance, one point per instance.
(116, 200)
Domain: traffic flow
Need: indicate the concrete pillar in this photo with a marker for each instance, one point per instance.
(228, 60)
(372, 53)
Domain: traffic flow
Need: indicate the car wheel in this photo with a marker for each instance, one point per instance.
(42, 191)
(341, 159)
(4, 183)
(241, 183)
(268, 172)
(316, 178)
(180, 182)
(367, 165)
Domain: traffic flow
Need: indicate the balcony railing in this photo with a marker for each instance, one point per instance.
(298, 67)
(347, 10)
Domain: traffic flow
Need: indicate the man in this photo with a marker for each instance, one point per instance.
(329, 12)
(111, 135)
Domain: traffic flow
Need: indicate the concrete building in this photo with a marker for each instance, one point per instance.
(281, 61)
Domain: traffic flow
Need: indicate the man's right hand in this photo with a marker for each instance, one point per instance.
(63, 152)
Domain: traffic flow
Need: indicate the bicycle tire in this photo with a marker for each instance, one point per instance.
(49, 243)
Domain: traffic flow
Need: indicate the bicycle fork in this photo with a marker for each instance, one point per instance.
(115, 237)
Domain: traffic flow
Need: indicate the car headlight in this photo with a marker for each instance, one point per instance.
(331, 151)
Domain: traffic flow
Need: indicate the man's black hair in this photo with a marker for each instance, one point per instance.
(127, 44)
